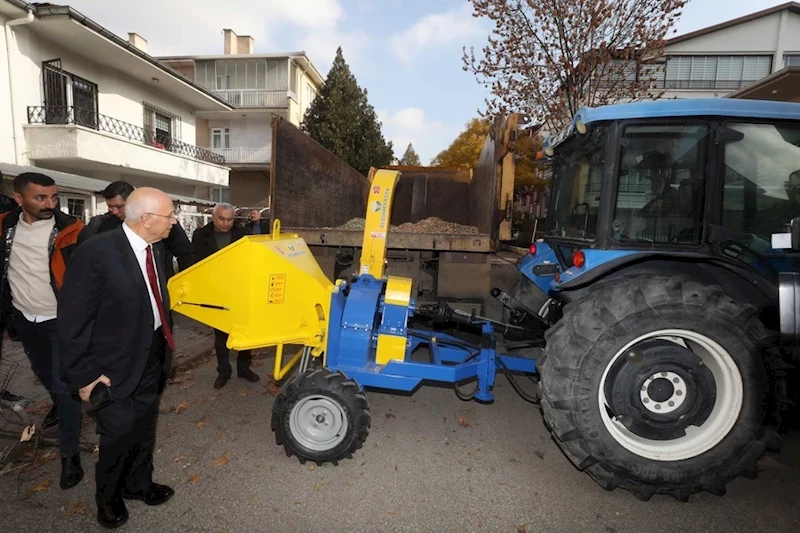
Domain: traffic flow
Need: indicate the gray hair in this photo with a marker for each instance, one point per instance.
(222, 206)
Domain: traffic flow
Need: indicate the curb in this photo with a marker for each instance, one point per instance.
(193, 357)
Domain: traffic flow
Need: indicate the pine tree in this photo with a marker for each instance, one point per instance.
(341, 119)
(410, 158)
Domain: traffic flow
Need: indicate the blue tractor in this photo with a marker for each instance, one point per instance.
(656, 289)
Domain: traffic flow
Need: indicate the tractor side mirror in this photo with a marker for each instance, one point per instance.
(796, 233)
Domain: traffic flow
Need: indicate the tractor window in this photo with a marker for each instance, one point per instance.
(662, 175)
(762, 179)
(761, 194)
(577, 176)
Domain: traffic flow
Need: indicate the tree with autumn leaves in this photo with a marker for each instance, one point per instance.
(466, 149)
(546, 59)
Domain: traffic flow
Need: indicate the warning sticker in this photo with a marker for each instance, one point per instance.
(277, 288)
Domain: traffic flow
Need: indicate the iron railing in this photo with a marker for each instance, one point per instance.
(88, 118)
(255, 97)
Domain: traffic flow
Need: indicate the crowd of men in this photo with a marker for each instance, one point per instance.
(90, 306)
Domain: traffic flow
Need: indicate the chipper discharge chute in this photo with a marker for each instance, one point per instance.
(268, 290)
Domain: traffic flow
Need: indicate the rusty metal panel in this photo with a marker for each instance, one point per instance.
(309, 186)
(423, 192)
(397, 241)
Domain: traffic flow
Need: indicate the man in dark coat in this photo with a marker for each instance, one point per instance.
(116, 194)
(115, 331)
(209, 239)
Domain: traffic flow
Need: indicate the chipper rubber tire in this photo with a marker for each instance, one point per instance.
(637, 336)
(321, 416)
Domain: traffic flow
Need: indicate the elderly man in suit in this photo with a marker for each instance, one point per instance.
(114, 330)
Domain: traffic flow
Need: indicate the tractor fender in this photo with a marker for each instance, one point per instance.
(740, 284)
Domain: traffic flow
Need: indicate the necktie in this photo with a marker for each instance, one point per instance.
(151, 275)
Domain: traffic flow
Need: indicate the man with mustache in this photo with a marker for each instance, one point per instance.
(37, 240)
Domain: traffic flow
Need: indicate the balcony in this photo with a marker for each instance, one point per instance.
(80, 139)
(256, 97)
(244, 155)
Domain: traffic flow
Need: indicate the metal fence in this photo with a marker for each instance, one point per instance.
(90, 119)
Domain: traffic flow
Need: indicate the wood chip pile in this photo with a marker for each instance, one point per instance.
(429, 225)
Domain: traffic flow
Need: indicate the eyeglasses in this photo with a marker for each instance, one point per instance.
(171, 216)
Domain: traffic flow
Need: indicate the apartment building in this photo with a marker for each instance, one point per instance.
(93, 107)
(755, 56)
(258, 86)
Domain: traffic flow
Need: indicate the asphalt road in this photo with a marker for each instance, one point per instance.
(431, 463)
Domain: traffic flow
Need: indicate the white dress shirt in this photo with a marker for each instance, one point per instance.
(139, 246)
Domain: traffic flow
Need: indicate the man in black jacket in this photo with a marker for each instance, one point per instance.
(115, 331)
(116, 194)
(257, 225)
(209, 239)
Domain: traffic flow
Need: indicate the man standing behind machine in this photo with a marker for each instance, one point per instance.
(209, 239)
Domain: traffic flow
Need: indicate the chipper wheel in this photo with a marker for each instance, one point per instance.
(321, 416)
(657, 385)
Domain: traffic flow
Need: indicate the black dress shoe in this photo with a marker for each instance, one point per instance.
(111, 514)
(220, 381)
(51, 418)
(155, 494)
(71, 471)
(249, 375)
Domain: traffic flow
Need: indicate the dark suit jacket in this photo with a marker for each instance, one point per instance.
(204, 243)
(105, 319)
(175, 245)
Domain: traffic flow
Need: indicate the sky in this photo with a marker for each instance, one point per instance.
(405, 53)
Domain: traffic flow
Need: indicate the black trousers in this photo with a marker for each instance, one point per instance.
(243, 358)
(127, 429)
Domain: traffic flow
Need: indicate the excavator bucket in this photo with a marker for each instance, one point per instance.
(264, 290)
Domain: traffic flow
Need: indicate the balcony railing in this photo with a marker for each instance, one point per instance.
(89, 119)
(243, 154)
(255, 97)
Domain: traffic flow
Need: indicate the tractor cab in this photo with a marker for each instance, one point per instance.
(697, 186)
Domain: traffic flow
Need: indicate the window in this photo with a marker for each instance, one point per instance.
(762, 179)
(577, 176)
(791, 60)
(713, 72)
(293, 78)
(221, 138)
(310, 94)
(161, 127)
(75, 206)
(220, 194)
(661, 182)
(761, 194)
(68, 99)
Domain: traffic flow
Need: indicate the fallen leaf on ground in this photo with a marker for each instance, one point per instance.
(40, 408)
(298, 502)
(178, 458)
(243, 392)
(221, 460)
(27, 433)
(463, 422)
(180, 355)
(211, 398)
(180, 407)
(257, 363)
(522, 528)
(391, 513)
(176, 380)
(193, 479)
(80, 508)
(312, 467)
(389, 416)
(270, 387)
(202, 422)
(41, 486)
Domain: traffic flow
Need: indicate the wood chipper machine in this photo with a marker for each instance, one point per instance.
(268, 290)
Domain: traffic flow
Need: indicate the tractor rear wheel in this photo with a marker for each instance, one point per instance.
(321, 416)
(657, 385)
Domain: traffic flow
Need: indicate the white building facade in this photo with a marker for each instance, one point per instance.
(80, 100)
(259, 86)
